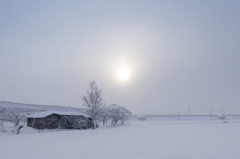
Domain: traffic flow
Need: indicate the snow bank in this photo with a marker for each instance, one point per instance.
(140, 140)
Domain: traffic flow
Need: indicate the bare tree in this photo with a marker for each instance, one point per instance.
(18, 129)
(104, 116)
(118, 113)
(13, 115)
(93, 101)
(125, 114)
(1, 119)
(115, 113)
(2, 126)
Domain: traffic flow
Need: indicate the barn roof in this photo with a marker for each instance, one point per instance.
(47, 113)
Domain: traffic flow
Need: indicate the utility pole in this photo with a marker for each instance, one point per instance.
(222, 112)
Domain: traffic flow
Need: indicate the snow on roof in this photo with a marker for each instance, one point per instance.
(47, 113)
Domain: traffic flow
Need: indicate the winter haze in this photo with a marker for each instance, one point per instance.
(152, 57)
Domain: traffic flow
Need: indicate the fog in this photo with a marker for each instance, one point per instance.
(180, 55)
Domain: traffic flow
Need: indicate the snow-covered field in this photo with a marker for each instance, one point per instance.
(140, 140)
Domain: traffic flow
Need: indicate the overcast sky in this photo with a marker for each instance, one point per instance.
(180, 55)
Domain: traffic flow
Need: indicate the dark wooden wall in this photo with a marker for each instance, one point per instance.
(51, 121)
(38, 122)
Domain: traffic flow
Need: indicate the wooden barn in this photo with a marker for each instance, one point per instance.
(59, 119)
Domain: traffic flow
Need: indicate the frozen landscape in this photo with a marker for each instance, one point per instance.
(138, 140)
(120, 79)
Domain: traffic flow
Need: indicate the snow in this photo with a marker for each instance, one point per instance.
(140, 140)
(37, 107)
(47, 113)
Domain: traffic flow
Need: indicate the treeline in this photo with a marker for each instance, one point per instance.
(98, 111)
(96, 108)
(116, 114)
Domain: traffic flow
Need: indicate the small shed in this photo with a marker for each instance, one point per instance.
(59, 119)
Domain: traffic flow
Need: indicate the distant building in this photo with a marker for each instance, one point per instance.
(59, 119)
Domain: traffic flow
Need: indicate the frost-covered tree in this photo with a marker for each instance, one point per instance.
(2, 121)
(13, 115)
(104, 116)
(2, 126)
(118, 113)
(93, 101)
(114, 113)
(125, 115)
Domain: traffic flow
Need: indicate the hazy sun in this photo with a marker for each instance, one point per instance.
(123, 74)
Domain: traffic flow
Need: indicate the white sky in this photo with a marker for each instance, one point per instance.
(180, 54)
